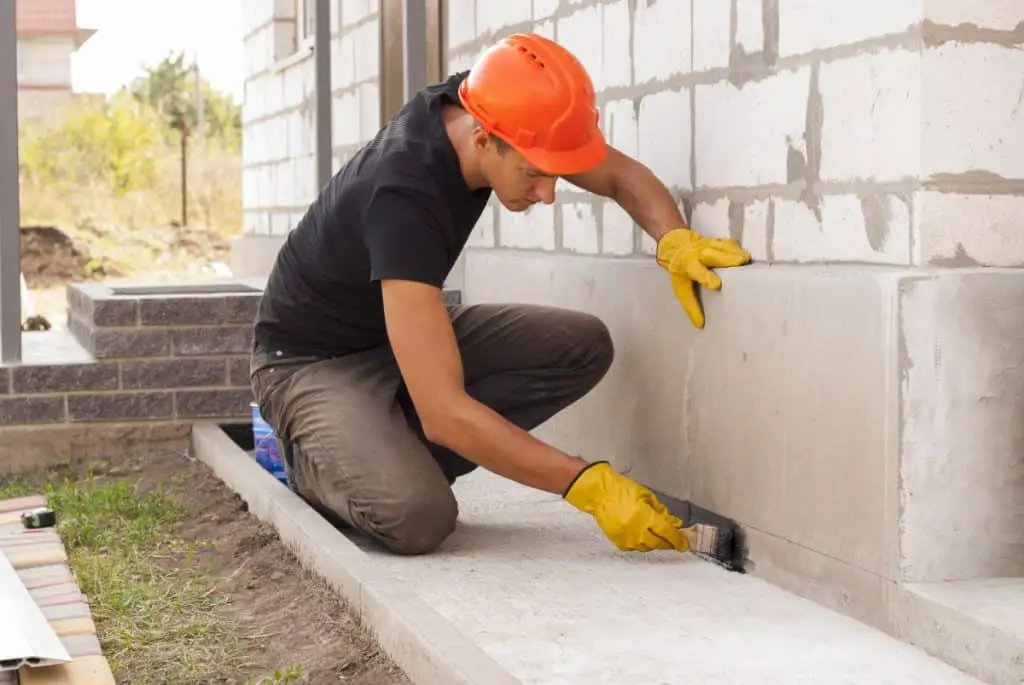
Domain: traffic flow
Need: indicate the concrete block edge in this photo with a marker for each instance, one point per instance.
(428, 647)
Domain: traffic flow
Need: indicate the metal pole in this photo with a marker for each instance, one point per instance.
(322, 56)
(415, 44)
(10, 208)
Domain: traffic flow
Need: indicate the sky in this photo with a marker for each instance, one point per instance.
(133, 34)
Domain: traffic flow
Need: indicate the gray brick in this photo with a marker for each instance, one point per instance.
(115, 311)
(36, 409)
(120, 406)
(182, 311)
(64, 377)
(238, 372)
(190, 342)
(172, 373)
(241, 308)
(5, 381)
(452, 297)
(213, 403)
(127, 343)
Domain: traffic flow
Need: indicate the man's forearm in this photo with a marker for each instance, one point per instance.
(646, 199)
(484, 437)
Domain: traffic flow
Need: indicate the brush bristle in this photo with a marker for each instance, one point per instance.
(715, 543)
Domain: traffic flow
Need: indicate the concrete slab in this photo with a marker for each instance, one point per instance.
(977, 625)
(529, 591)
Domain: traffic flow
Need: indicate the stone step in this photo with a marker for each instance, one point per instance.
(976, 625)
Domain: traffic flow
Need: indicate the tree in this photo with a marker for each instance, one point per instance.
(170, 88)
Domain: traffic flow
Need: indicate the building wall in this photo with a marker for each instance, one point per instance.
(45, 61)
(854, 401)
(279, 115)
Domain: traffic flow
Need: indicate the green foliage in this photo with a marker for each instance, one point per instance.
(170, 88)
(108, 143)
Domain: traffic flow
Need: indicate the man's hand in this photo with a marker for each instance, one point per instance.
(688, 257)
(628, 513)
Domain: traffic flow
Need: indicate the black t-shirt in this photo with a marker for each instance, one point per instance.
(400, 208)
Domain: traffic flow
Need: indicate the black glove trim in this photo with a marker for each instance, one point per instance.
(588, 466)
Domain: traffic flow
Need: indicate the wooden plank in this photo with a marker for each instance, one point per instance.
(37, 556)
(20, 504)
(73, 626)
(40, 576)
(88, 670)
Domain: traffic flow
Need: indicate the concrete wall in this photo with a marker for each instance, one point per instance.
(855, 400)
(279, 115)
(45, 61)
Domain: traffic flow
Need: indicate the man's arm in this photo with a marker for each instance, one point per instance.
(636, 189)
(424, 343)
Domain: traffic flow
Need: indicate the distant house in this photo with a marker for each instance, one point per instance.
(48, 35)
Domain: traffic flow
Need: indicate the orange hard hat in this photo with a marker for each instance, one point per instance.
(537, 97)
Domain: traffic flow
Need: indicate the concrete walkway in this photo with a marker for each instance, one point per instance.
(527, 591)
(535, 583)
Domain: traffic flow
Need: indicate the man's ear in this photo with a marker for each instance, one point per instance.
(481, 138)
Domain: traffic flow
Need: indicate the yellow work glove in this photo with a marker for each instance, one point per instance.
(628, 513)
(688, 258)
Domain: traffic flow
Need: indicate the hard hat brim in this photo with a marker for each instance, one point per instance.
(567, 162)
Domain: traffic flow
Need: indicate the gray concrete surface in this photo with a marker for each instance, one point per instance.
(861, 422)
(527, 590)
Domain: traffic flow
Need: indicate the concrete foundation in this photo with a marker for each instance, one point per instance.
(859, 422)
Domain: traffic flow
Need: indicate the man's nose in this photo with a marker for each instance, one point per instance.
(545, 190)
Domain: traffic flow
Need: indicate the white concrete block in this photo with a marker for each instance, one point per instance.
(291, 84)
(616, 65)
(296, 134)
(545, 28)
(711, 19)
(579, 228)
(284, 175)
(617, 229)
(353, 11)
(346, 123)
(280, 223)
(306, 187)
(665, 127)
(874, 230)
(282, 40)
(648, 246)
(711, 219)
(973, 109)
(343, 62)
(1004, 15)
(250, 197)
(256, 13)
(968, 229)
(285, 9)
(369, 111)
(756, 218)
(257, 223)
(367, 39)
(661, 39)
(806, 25)
(460, 22)
(872, 106)
(580, 34)
(749, 25)
(743, 135)
(493, 16)
(542, 9)
(483, 232)
(620, 127)
(533, 229)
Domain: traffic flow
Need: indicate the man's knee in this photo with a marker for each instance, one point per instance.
(418, 523)
(595, 345)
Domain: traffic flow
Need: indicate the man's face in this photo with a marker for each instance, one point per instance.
(518, 184)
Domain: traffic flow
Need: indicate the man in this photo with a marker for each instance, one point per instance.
(388, 395)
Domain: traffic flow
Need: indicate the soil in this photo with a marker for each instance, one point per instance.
(270, 592)
(49, 257)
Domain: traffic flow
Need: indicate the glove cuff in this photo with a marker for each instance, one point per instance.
(578, 475)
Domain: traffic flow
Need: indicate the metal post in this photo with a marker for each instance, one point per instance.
(415, 44)
(10, 208)
(322, 56)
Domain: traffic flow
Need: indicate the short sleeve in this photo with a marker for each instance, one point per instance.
(404, 238)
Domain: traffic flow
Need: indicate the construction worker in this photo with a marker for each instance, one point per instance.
(386, 394)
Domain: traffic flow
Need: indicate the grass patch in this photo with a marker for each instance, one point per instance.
(154, 600)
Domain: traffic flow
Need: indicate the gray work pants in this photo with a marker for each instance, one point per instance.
(361, 458)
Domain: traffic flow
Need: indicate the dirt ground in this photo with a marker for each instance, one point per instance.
(294, 618)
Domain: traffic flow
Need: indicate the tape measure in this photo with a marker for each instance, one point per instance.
(39, 518)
